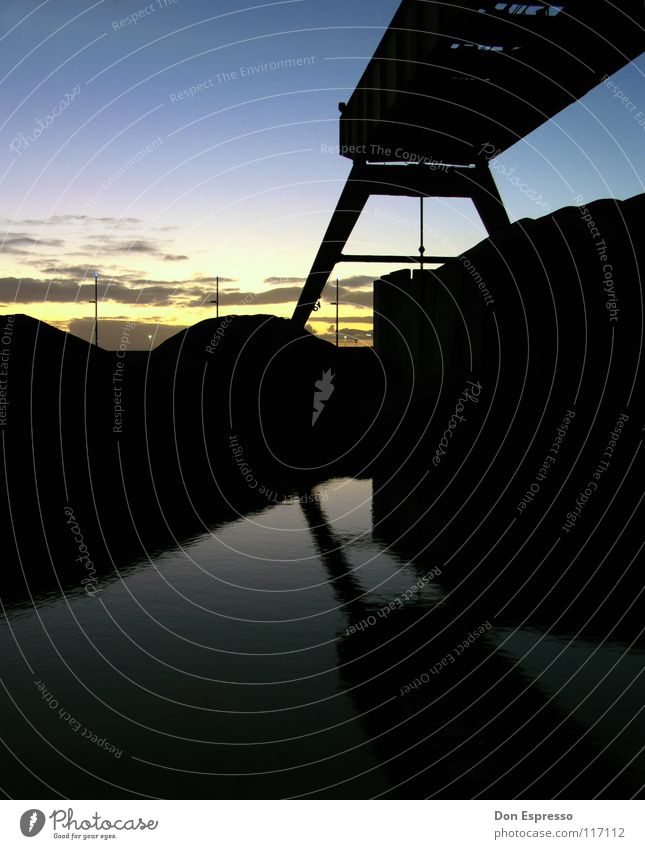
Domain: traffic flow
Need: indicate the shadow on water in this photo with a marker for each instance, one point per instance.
(444, 690)
(458, 691)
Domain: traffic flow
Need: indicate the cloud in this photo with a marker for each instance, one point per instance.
(29, 290)
(280, 281)
(75, 284)
(358, 281)
(353, 298)
(137, 246)
(146, 281)
(358, 332)
(15, 242)
(285, 295)
(209, 278)
(111, 245)
(355, 291)
(156, 295)
(117, 223)
(103, 235)
(44, 222)
(71, 218)
(78, 271)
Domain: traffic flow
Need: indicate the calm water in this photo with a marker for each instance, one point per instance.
(270, 658)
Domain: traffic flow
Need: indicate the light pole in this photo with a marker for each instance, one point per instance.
(216, 301)
(96, 310)
(422, 249)
(336, 302)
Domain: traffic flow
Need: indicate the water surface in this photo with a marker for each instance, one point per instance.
(291, 653)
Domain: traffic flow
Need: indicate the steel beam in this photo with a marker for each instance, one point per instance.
(427, 260)
(433, 180)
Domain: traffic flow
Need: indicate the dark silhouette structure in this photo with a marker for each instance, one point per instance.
(499, 416)
(450, 87)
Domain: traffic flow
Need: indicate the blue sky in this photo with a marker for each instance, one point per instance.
(159, 191)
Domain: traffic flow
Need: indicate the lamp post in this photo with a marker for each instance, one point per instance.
(422, 249)
(96, 310)
(216, 301)
(337, 303)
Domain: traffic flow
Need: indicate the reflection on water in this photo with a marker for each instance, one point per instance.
(301, 650)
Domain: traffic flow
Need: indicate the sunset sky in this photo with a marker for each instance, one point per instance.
(107, 165)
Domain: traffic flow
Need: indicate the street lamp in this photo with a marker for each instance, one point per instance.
(216, 301)
(422, 249)
(337, 302)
